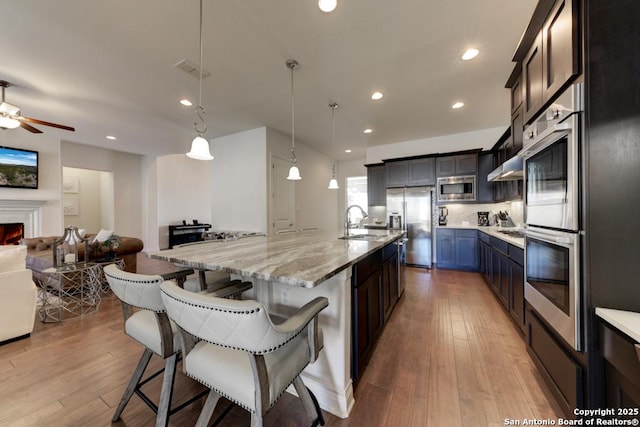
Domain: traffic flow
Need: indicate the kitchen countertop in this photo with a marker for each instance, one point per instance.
(492, 231)
(626, 321)
(300, 259)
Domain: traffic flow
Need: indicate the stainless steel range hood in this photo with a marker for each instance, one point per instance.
(511, 170)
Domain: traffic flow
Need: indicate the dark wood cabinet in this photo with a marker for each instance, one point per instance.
(377, 185)
(484, 193)
(532, 80)
(553, 58)
(374, 296)
(461, 164)
(389, 285)
(397, 173)
(457, 249)
(422, 171)
(516, 88)
(622, 370)
(517, 131)
(516, 302)
(445, 248)
(560, 48)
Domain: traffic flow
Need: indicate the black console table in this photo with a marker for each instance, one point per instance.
(180, 234)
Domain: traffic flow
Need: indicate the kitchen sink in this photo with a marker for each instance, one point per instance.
(512, 233)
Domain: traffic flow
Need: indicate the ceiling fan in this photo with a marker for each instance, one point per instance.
(10, 117)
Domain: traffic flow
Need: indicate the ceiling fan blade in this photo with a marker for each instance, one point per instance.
(42, 122)
(29, 127)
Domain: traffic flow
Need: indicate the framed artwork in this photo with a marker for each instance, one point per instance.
(70, 184)
(71, 206)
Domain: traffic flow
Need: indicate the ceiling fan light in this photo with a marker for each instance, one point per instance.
(200, 149)
(8, 122)
(333, 184)
(327, 5)
(294, 174)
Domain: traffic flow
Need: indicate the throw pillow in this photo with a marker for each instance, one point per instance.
(103, 235)
(12, 258)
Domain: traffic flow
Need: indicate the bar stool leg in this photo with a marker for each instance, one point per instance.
(133, 383)
(164, 406)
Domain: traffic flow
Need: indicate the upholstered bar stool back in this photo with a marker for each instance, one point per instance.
(232, 347)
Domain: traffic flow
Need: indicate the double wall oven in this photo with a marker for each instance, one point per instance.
(553, 273)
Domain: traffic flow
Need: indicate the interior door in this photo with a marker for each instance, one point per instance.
(283, 202)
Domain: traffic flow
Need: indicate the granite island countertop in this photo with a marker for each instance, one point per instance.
(300, 259)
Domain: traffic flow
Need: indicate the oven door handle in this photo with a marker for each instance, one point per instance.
(549, 237)
(533, 141)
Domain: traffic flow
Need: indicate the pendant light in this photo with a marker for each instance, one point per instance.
(199, 145)
(327, 5)
(333, 183)
(294, 173)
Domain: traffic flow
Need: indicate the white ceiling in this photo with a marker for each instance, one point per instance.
(106, 68)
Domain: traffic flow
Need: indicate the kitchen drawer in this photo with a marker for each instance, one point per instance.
(389, 250)
(460, 232)
(445, 232)
(484, 237)
(365, 267)
(516, 254)
(499, 244)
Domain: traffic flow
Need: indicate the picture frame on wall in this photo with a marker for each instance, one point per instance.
(71, 206)
(70, 184)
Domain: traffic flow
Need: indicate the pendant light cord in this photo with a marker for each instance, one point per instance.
(333, 138)
(200, 109)
(293, 137)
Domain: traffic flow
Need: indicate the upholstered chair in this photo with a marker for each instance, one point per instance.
(146, 321)
(18, 294)
(233, 348)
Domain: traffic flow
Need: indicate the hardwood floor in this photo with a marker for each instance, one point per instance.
(450, 356)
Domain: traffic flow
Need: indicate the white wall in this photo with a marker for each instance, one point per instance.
(127, 181)
(239, 184)
(49, 176)
(183, 193)
(90, 198)
(316, 205)
(347, 169)
(484, 138)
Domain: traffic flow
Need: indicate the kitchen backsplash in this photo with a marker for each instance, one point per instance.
(460, 214)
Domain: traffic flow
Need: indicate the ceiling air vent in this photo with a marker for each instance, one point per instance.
(191, 68)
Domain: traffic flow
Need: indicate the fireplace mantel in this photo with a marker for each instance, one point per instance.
(28, 212)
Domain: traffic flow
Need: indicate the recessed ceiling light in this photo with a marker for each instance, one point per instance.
(111, 137)
(470, 54)
(368, 130)
(376, 95)
(347, 151)
(327, 5)
(186, 102)
(457, 105)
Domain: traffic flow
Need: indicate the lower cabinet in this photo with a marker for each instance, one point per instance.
(374, 295)
(501, 265)
(457, 248)
(622, 371)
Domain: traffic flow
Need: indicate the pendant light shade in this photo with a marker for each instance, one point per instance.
(199, 145)
(333, 183)
(294, 172)
(327, 5)
(200, 149)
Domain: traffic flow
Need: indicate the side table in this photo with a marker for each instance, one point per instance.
(70, 292)
(105, 290)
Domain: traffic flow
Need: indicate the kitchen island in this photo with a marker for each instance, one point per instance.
(289, 270)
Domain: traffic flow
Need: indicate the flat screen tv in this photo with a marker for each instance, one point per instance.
(18, 168)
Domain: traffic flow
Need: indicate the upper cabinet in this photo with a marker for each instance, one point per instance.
(411, 173)
(552, 59)
(377, 185)
(422, 171)
(461, 164)
(397, 173)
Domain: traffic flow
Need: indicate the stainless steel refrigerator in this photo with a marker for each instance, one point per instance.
(414, 207)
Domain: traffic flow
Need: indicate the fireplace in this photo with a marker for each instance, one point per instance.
(11, 233)
(27, 212)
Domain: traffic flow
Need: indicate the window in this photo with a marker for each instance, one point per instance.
(357, 195)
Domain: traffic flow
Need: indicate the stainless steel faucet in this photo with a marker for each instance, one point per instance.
(346, 217)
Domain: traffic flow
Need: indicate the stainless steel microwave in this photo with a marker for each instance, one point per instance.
(457, 188)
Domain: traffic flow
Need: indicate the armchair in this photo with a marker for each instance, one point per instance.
(18, 294)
